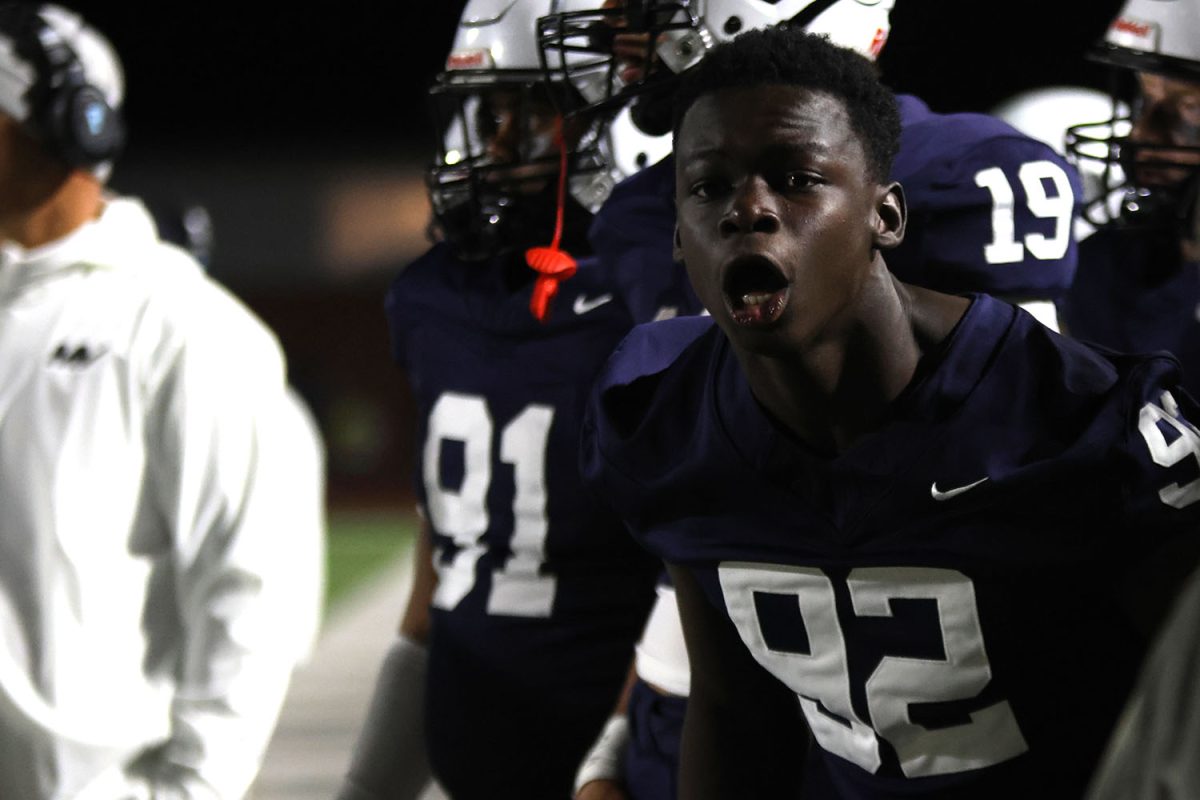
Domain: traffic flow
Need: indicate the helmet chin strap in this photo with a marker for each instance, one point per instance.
(553, 264)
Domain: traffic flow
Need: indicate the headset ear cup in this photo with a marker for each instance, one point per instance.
(86, 129)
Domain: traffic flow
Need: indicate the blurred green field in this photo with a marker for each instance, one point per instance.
(360, 544)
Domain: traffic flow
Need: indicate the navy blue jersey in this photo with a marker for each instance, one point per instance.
(541, 592)
(1132, 294)
(632, 236)
(989, 208)
(945, 597)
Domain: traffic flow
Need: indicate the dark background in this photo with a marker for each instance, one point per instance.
(229, 74)
(232, 74)
(303, 132)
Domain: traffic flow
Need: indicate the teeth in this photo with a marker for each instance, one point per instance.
(755, 298)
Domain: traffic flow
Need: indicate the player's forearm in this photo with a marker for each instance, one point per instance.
(604, 763)
(414, 624)
(727, 754)
(705, 773)
(601, 774)
(390, 760)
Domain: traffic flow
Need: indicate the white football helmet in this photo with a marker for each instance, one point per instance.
(1161, 36)
(676, 35)
(482, 201)
(1151, 36)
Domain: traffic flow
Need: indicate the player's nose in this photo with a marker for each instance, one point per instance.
(751, 209)
(503, 145)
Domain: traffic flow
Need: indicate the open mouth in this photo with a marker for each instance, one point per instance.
(756, 290)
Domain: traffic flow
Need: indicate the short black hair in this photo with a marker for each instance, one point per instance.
(789, 56)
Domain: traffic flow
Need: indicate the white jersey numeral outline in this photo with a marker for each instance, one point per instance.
(1186, 443)
(518, 589)
(821, 677)
(1060, 206)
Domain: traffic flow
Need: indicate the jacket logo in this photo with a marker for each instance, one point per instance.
(78, 357)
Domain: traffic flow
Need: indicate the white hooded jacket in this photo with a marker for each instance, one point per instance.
(161, 522)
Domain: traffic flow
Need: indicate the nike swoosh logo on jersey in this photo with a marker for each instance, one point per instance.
(584, 304)
(946, 495)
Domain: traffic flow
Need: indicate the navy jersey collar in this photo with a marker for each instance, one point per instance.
(944, 379)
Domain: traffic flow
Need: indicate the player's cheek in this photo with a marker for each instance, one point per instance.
(703, 274)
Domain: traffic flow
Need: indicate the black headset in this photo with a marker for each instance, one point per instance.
(71, 117)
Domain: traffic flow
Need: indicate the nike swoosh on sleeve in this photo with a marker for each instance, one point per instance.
(939, 495)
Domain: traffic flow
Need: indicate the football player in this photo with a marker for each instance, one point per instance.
(1156, 170)
(990, 210)
(920, 527)
(528, 595)
(1138, 283)
(994, 207)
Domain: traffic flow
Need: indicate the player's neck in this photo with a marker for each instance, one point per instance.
(840, 389)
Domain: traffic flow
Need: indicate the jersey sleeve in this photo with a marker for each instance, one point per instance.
(236, 474)
(632, 238)
(406, 290)
(990, 210)
(409, 290)
(1162, 447)
(623, 449)
(1158, 464)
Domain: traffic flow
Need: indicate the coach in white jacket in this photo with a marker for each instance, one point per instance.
(161, 514)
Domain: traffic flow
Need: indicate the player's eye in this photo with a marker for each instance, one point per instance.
(1188, 109)
(488, 122)
(796, 181)
(708, 188)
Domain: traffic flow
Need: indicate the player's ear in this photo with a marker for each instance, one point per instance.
(891, 216)
(677, 247)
